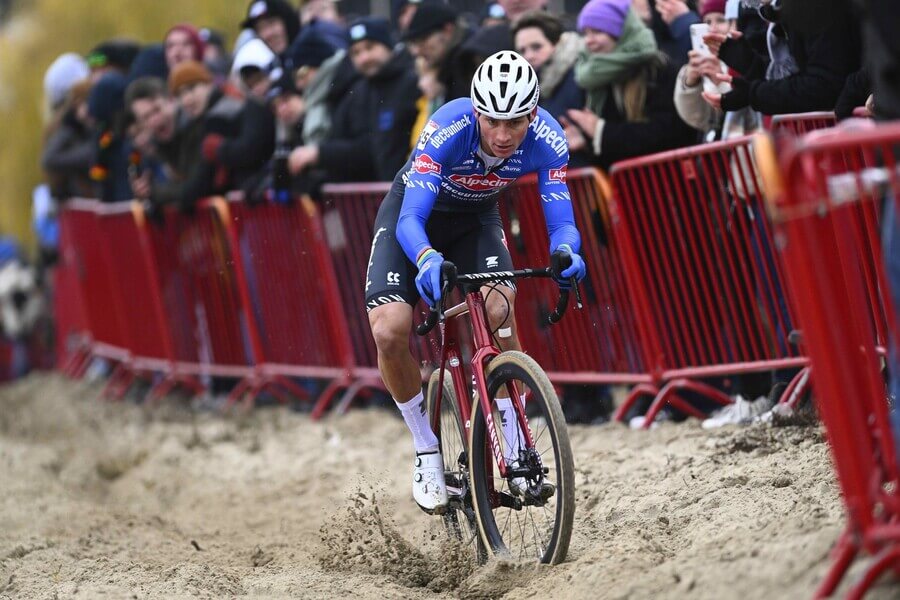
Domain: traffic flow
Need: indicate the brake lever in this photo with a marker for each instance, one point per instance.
(578, 303)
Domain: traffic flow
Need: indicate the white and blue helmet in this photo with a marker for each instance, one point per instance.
(505, 86)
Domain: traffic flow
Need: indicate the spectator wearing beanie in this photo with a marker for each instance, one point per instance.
(183, 43)
(325, 75)
(67, 70)
(628, 84)
(112, 55)
(150, 62)
(275, 22)
(375, 127)
(191, 84)
(69, 146)
(435, 35)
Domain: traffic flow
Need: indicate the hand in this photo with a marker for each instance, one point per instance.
(577, 269)
(428, 281)
(574, 137)
(870, 105)
(714, 100)
(584, 119)
(670, 10)
(141, 185)
(302, 158)
(210, 147)
(701, 65)
(714, 40)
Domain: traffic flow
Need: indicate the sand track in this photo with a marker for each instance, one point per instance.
(108, 500)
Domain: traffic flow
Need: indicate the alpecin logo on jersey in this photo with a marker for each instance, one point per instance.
(426, 165)
(481, 183)
(558, 175)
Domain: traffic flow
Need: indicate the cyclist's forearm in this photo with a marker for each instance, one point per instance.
(561, 224)
(411, 235)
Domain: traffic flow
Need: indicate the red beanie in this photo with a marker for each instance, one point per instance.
(194, 34)
(708, 6)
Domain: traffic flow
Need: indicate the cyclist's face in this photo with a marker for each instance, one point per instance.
(501, 137)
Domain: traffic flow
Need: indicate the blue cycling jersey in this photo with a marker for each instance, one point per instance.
(446, 173)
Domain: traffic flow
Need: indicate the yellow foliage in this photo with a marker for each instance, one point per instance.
(40, 31)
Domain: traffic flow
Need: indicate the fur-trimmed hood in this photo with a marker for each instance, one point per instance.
(554, 71)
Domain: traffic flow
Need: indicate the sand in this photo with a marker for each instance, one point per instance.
(112, 500)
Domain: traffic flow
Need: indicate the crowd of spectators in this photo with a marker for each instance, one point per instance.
(309, 96)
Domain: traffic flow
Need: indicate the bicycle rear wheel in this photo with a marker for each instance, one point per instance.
(535, 520)
(459, 520)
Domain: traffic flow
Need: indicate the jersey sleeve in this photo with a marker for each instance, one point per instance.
(423, 184)
(552, 160)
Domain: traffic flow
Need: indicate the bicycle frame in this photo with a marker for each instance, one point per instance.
(484, 351)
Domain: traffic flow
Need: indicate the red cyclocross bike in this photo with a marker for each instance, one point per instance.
(513, 497)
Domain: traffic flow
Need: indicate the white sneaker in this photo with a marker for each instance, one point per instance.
(638, 421)
(429, 488)
(741, 412)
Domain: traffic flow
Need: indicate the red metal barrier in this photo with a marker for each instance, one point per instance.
(832, 183)
(800, 123)
(72, 327)
(291, 284)
(699, 260)
(87, 254)
(601, 343)
(348, 215)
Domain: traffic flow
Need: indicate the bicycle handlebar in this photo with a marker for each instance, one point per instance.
(559, 262)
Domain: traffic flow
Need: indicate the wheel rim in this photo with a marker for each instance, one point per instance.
(529, 533)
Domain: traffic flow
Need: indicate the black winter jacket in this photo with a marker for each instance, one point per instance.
(662, 128)
(383, 110)
(824, 59)
(249, 131)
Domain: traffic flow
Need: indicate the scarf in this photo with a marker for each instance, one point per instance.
(596, 72)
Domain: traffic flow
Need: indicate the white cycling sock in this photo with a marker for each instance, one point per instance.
(509, 423)
(415, 413)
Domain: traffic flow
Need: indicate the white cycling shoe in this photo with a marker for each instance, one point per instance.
(429, 487)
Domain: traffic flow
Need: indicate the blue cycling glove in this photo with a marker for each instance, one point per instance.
(577, 269)
(428, 281)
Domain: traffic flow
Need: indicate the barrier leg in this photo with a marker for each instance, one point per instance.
(796, 389)
(236, 394)
(644, 389)
(668, 395)
(327, 396)
(889, 557)
(346, 398)
(844, 552)
(118, 382)
(285, 383)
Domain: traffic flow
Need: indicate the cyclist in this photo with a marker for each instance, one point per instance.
(444, 200)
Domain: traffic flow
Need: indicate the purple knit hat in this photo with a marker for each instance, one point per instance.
(607, 16)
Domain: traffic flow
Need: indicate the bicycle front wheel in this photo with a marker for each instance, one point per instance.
(532, 518)
(459, 520)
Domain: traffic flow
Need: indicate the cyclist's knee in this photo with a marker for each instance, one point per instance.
(500, 307)
(390, 326)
